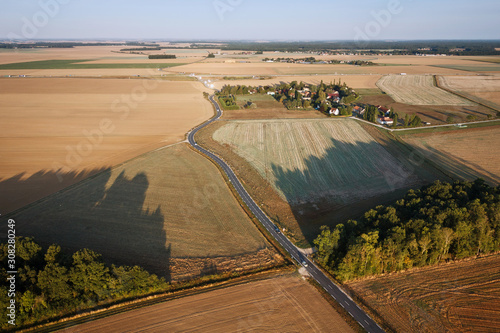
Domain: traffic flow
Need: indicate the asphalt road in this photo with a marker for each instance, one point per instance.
(340, 296)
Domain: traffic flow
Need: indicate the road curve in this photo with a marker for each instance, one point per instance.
(333, 289)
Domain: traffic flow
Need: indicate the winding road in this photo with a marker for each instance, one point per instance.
(333, 289)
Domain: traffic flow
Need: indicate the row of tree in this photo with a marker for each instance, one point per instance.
(162, 56)
(51, 283)
(440, 222)
(372, 113)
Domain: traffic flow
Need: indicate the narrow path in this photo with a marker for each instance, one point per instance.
(331, 287)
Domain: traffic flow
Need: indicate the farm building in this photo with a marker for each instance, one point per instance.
(359, 110)
(385, 121)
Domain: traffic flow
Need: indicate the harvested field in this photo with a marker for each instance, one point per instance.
(281, 304)
(483, 89)
(157, 211)
(311, 160)
(434, 114)
(455, 297)
(465, 153)
(54, 130)
(474, 67)
(353, 81)
(418, 90)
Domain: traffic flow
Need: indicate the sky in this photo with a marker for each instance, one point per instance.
(250, 19)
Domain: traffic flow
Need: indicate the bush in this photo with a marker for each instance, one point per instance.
(471, 117)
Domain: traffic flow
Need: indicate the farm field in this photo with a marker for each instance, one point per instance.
(311, 160)
(281, 304)
(82, 64)
(169, 211)
(484, 89)
(266, 108)
(467, 153)
(353, 81)
(477, 67)
(460, 297)
(418, 90)
(55, 132)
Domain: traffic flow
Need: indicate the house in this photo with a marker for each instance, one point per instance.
(272, 93)
(359, 110)
(334, 111)
(333, 95)
(383, 109)
(385, 121)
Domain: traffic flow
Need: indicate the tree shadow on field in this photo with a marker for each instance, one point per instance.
(351, 178)
(104, 216)
(21, 189)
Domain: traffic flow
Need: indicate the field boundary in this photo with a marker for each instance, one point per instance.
(149, 300)
(423, 128)
(463, 96)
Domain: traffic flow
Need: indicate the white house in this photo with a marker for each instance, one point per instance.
(385, 121)
(334, 111)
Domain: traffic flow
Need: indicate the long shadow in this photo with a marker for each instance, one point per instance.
(363, 176)
(106, 217)
(21, 189)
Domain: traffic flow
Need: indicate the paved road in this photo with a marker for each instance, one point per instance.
(343, 299)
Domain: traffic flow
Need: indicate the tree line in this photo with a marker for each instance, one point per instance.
(162, 56)
(51, 283)
(440, 222)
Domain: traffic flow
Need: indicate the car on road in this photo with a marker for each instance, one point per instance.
(304, 263)
(276, 228)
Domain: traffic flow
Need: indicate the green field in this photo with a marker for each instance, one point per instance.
(78, 64)
(312, 160)
(168, 204)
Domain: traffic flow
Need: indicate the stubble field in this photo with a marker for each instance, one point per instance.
(280, 304)
(484, 89)
(418, 90)
(55, 132)
(465, 153)
(460, 297)
(169, 211)
(311, 160)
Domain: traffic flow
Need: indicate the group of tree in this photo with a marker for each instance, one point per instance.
(291, 95)
(372, 112)
(51, 283)
(162, 56)
(228, 102)
(440, 222)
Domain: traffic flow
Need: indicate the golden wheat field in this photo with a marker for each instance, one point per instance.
(484, 88)
(70, 126)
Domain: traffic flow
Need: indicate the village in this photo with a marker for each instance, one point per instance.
(335, 99)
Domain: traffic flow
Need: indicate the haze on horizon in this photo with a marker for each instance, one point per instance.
(250, 20)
